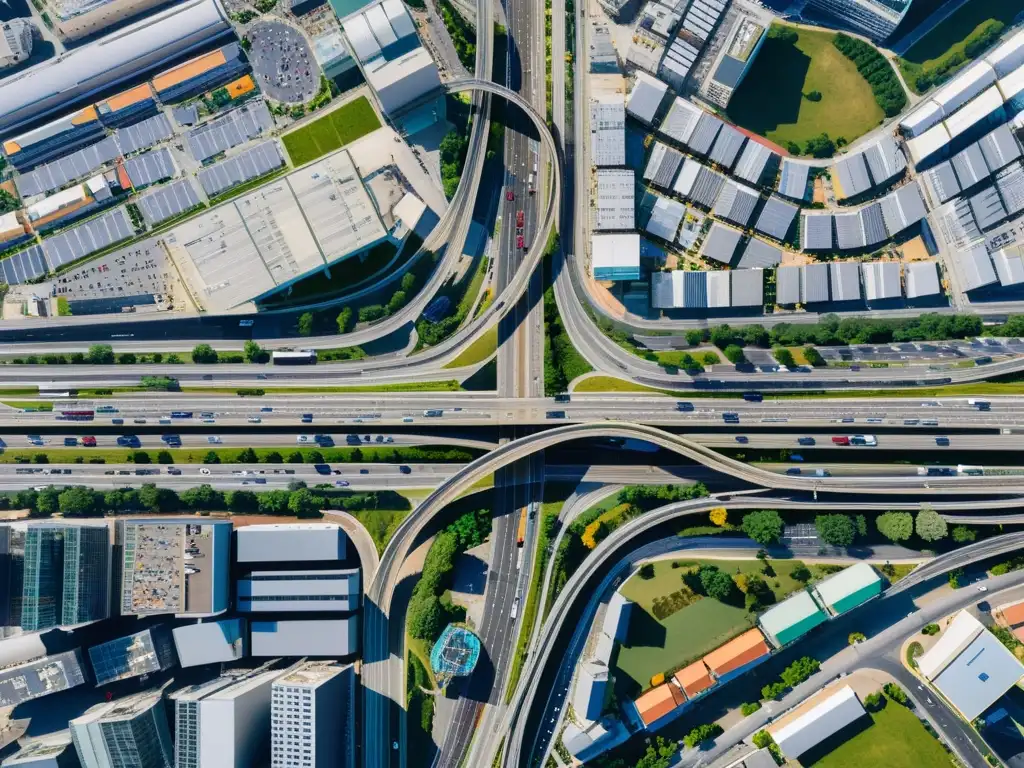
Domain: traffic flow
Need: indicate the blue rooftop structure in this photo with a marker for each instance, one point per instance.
(455, 654)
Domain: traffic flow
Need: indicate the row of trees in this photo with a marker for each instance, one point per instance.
(874, 68)
(429, 609)
(976, 43)
(79, 501)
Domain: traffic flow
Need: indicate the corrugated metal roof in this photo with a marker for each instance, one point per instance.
(964, 87)
(851, 172)
(665, 218)
(167, 201)
(707, 187)
(747, 287)
(254, 162)
(753, 161)
(687, 177)
(844, 277)
(816, 231)
(881, 280)
(360, 36)
(718, 289)
(1009, 267)
(941, 182)
(873, 224)
(988, 103)
(849, 231)
(94, 235)
(970, 166)
(681, 120)
(736, 203)
(793, 179)
(704, 134)
(323, 637)
(787, 285)
(921, 119)
(999, 147)
(234, 128)
(1008, 55)
(24, 266)
(776, 218)
(987, 208)
(788, 613)
(53, 176)
(721, 243)
(150, 167)
(902, 208)
(727, 146)
(645, 98)
(923, 147)
(144, 135)
(759, 254)
(1010, 182)
(813, 283)
(616, 199)
(607, 133)
(885, 159)
(849, 580)
(818, 723)
(662, 166)
(922, 279)
(975, 268)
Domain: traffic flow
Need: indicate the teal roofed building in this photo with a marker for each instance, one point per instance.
(849, 588)
(792, 619)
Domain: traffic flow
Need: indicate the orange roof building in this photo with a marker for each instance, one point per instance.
(658, 702)
(240, 87)
(737, 653)
(190, 69)
(1013, 614)
(201, 74)
(694, 679)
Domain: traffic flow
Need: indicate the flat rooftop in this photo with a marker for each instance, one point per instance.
(167, 568)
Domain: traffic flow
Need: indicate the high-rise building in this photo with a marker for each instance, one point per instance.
(174, 566)
(39, 677)
(15, 42)
(142, 653)
(54, 574)
(125, 733)
(875, 18)
(224, 723)
(312, 717)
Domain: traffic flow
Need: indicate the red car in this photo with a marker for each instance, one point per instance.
(510, 195)
(520, 219)
(520, 243)
(89, 442)
(841, 440)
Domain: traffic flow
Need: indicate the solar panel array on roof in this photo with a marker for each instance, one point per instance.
(849, 230)
(844, 277)
(702, 16)
(970, 166)
(987, 208)
(758, 255)
(662, 166)
(94, 235)
(852, 175)
(881, 280)
(250, 164)
(813, 283)
(747, 287)
(816, 231)
(736, 203)
(752, 163)
(706, 187)
(902, 208)
(679, 58)
(168, 201)
(721, 243)
(885, 159)
(704, 134)
(999, 147)
(24, 266)
(727, 146)
(793, 179)
(776, 217)
(681, 120)
(143, 135)
(941, 182)
(787, 285)
(150, 167)
(922, 279)
(682, 289)
(234, 128)
(53, 176)
(1010, 182)
(873, 224)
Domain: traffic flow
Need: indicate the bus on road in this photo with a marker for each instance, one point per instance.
(294, 357)
(521, 535)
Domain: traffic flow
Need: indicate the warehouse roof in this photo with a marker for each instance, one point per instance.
(902, 208)
(978, 109)
(616, 199)
(759, 254)
(727, 146)
(258, 160)
(987, 207)
(845, 280)
(850, 230)
(681, 120)
(608, 132)
(211, 642)
(1010, 182)
(737, 653)
(814, 280)
(1009, 267)
(60, 82)
(753, 161)
(665, 218)
(230, 130)
(704, 134)
(54, 175)
(922, 118)
(190, 69)
(168, 201)
(970, 166)
(852, 579)
(662, 166)
(999, 147)
(615, 257)
(941, 182)
(928, 143)
(736, 203)
(885, 159)
(645, 98)
(968, 83)
(321, 637)
(694, 679)
(787, 285)
(816, 231)
(680, 289)
(94, 235)
(851, 175)
(721, 243)
(747, 287)
(975, 268)
(150, 167)
(776, 218)
(872, 223)
(793, 179)
(812, 726)
(1008, 55)
(658, 702)
(795, 609)
(699, 183)
(922, 279)
(718, 289)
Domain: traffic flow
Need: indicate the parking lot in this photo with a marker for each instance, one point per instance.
(283, 62)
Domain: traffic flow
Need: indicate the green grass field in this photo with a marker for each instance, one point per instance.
(895, 739)
(947, 40)
(330, 132)
(770, 100)
(659, 645)
(478, 351)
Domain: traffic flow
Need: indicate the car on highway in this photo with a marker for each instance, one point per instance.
(207, 415)
(520, 242)
(117, 421)
(684, 407)
(342, 483)
(128, 441)
(254, 420)
(307, 418)
(510, 194)
(407, 420)
(405, 470)
(165, 421)
(89, 441)
(322, 469)
(173, 471)
(931, 404)
(520, 219)
(304, 439)
(868, 440)
(841, 440)
(266, 409)
(555, 415)
(204, 471)
(806, 441)
(742, 439)
(731, 417)
(794, 471)
(848, 420)
(822, 473)
(433, 412)
(138, 421)
(70, 442)
(911, 422)
(106, 409)
(753, 397)
(942, 440)
(213, 439)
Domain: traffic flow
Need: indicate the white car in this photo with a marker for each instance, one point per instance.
(304, 439)
(254, 420)
(982, 588)
(213, 439)
(204, 471)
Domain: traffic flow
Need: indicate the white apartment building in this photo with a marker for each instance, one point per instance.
(311, 713)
